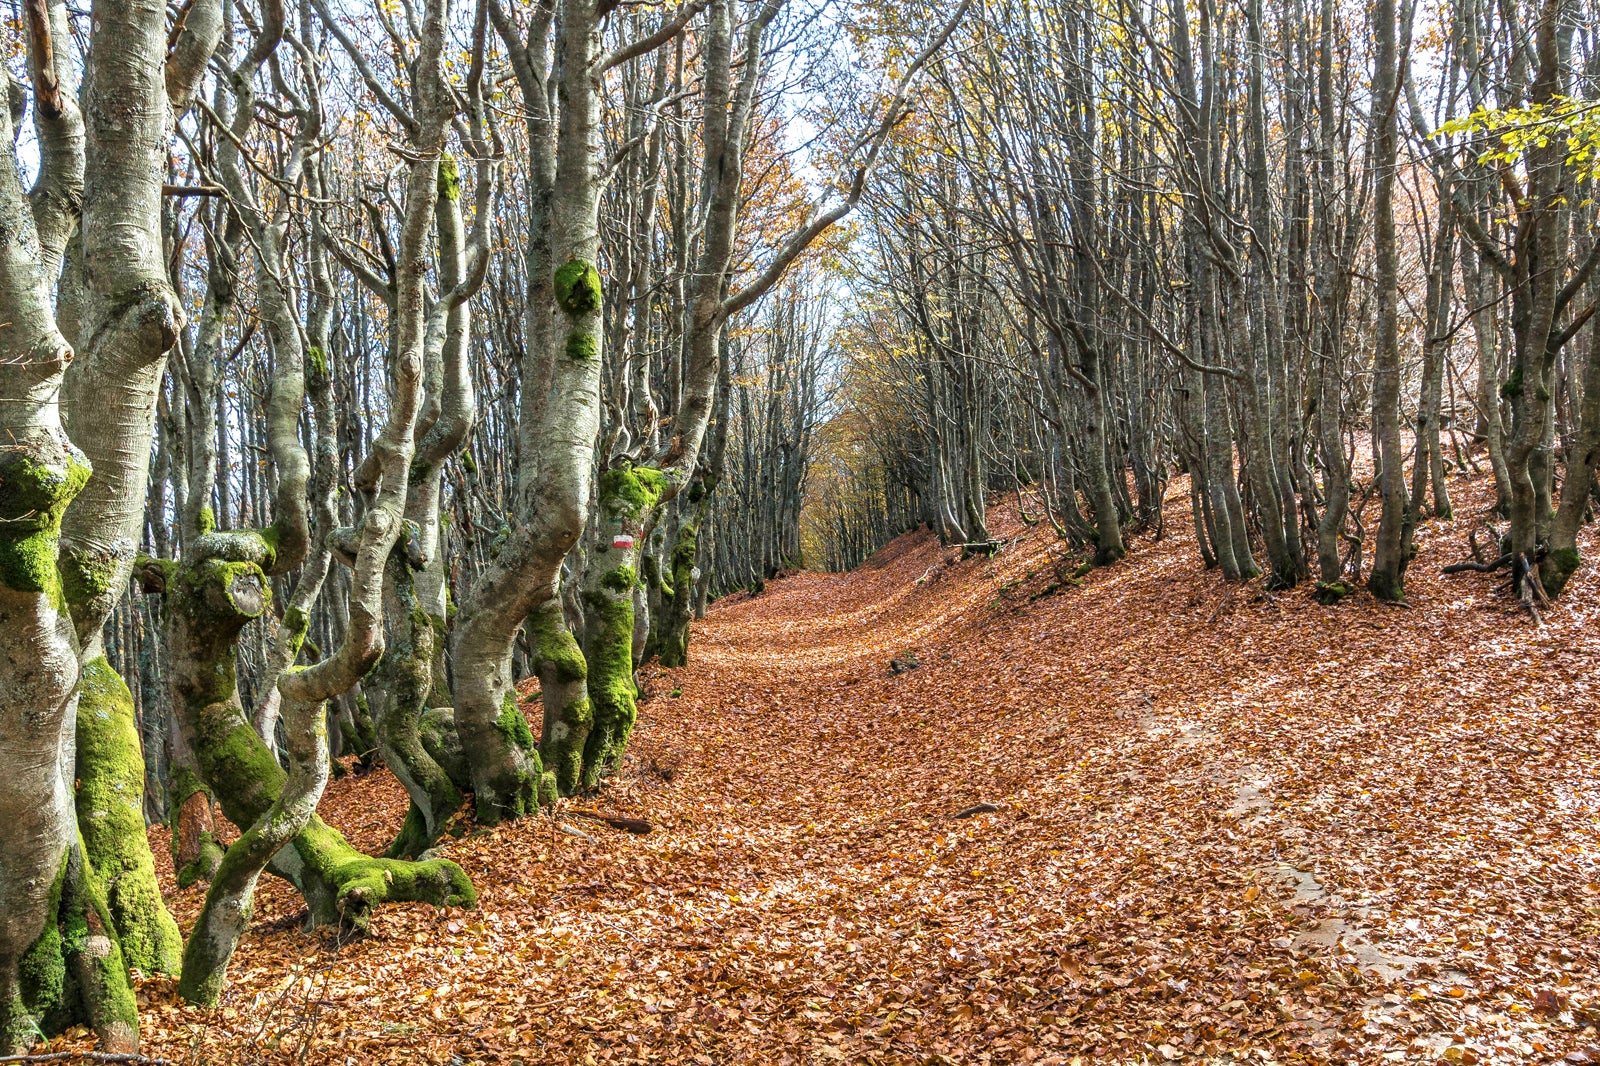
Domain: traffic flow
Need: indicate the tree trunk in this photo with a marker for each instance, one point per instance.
(1387, 579)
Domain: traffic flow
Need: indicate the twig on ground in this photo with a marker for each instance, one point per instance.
(636, 826)
(87, 1057)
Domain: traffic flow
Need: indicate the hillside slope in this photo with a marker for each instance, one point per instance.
(1225, 824)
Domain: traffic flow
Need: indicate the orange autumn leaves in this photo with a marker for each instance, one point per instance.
(1227, 823)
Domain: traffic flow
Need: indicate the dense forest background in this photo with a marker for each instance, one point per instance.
(361, 361)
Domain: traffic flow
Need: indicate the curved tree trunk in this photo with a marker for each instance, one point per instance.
(60, 960)
(560, 422)
(410, 673)
(218, 593)
(407, 667)
(62, 568)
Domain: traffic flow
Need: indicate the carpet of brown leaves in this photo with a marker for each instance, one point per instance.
(1231, 827)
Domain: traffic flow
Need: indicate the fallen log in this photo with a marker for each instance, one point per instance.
(976, 808)
(637, 826)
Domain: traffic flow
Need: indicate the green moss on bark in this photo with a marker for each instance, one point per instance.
(363, 882)
(1512, 387)
(630, 492)
(683, 555)
(270, 538)
(1557, 569)
(203, 867)
(110, 805)
(86, 577)
(449, 178)
(562, 752)
(555, 645)
(612, 694)
(621, 579)
(674, 641)
(34, 493)
(628, 497)
(651, 574)
(237, 755)
(1330, 593)
(436, 729)
(563, 672)
(50, 997)
(296, 623)
(43, 1001)
(577, 286)
(413, 838)
(338, 882)
(513, 724)
(184, 787)
(407, 672)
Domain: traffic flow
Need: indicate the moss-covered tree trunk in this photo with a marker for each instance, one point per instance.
(627, 500)
(1583, 460)
(672, 643)
(407, 673)
(66, 535)
(123, 316)
(230, 900)
(208, 603)
(110, 804)
(215, 600)
(655, 584)
(411, 674)
(508, 773)
(60, 960)
(560, 419)
(1537, 279)
(563, 694)
(191, 821)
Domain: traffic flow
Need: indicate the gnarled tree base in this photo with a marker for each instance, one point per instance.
(72, 973)
(341, 885)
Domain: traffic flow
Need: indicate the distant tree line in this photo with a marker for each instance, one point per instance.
(1250, 245)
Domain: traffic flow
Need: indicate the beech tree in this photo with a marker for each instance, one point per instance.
(385, 384)
(81, 376)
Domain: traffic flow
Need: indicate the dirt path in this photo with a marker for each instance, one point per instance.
(1293, 857)
(1229, 828)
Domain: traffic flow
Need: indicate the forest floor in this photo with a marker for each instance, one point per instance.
(1228, 827)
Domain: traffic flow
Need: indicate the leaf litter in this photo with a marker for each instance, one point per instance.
(1200, 823)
